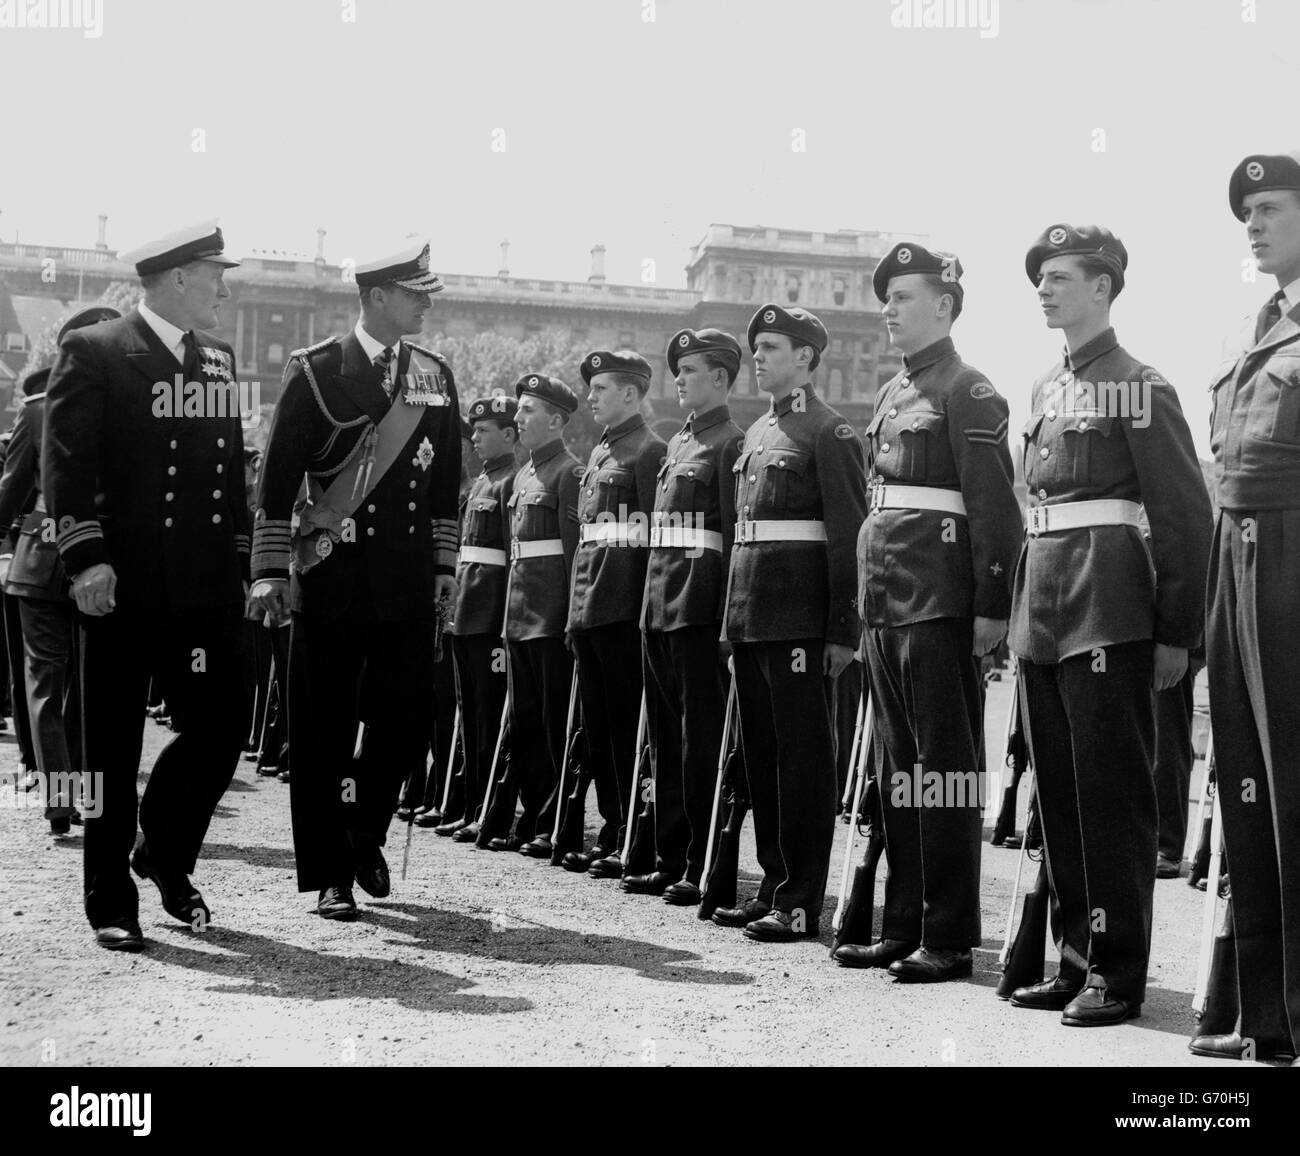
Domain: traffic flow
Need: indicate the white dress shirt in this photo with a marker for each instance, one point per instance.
(172, 337)
(373, 349)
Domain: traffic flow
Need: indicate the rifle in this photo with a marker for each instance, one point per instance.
(856, 924)
(632, 817)
(1017, 758)
(853, 757)
(502, 791)
(439, 622)
(730, 806)
(455, 772)
(571, 809)
(1023, 957)
(858, 777)
(1204, 821)
(1210, 908)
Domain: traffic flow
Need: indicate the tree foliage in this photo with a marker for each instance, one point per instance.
(121, 295)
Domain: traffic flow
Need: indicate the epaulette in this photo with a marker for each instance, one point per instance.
(314, 348)
(438, 357)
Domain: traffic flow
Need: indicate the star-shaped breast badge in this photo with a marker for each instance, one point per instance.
(424, 455)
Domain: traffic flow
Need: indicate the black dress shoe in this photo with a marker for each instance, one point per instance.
(538, 847)
(430, 819)
(75, 818)
(581, 860)
(683, 893)
(932, 965)
(406, 814)
(608, 867)
(1094, 1007)
(880, 954)
(505, 843)
(60, 824)
(1230, 1046)
(1049, 995)
(123, 936)
(180, 898)
(779, 927)
(336, 903)
(283, 776)
(252, 756)
(656, 883)
(270, 770)
(370, 868)
(467, 834)
(740, 916)
(1168, 867)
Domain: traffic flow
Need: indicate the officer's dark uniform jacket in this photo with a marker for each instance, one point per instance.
(406, 529)
(1075, 590)
(1255, 421)
(481, 588)
(688, 587)
(940, 424)
(801, 462)
(543, 507)
(620, 479)
(160, 498)
(36, 570)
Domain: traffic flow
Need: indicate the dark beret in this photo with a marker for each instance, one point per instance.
(619, 361)
(687, 341)
(498, 409)
(35, 381)
(1260, 172)
(802, 327)
(90, 315)
(1078, 241)
(548, 389)
(909, 257)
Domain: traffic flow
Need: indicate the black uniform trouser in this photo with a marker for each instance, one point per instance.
(275, 734)
(53, 698)
(928, 731)
(1091, 731)
(787, 725)
(13, 632)
(482, 692)
(1174, 758)
(1253, 648)
(610, 685)
(541, 675)
(342, 671)
(684, 702)
(194, 657)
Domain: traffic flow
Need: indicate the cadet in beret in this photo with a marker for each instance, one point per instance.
(372, 422)
(800, 501)
(34, 577)
(1254, 605)
(935, 557)
(481, 602)
(543, 540)
(153, 532)
(1098, 620)
(691, 533)
(614, 507)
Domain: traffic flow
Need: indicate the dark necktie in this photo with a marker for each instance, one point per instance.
(384, 361)
(1269, 315)
(190, 356)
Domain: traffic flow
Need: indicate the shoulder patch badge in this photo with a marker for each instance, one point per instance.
(981, 390)
(578, 472)
(1151, 377)
(844, 431)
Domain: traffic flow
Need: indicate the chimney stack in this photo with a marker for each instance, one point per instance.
(101, 243)
(320, 246)
(504, 271)
(597, 265)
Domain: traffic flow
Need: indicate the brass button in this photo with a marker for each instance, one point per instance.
(221, 469)
(167, 521)
(221, 443)
(216, 519)
(412, 485)
(1042, 495)
(169, 496)
(885, 448)
(916, 424)
(1051, 415)
(752, 479)
(370, 531)
(171, 471)
(370, 508)
(216, 494)
(173, 443)
(410, 505)
(893, 413)
(1083, 423)
(410, 529)
(1043, 452)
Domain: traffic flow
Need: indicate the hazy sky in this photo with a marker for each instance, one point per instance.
(636, 123)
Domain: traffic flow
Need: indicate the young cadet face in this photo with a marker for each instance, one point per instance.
(1068, 298)
(915, 314)
(778, 366)
(699, 388)
(491, 440)
(537, 424)
(201, 290)
(611, 403)
(1273, 227)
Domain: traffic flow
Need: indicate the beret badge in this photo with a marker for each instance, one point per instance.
(1255, 171)
(1057, 236)
(904, 256)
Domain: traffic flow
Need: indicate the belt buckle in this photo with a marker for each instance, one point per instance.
(744, 533)
(1037, 521)
(514, 550)
(877, 496)
(656, 536)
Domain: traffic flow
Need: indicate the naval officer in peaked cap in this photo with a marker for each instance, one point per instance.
(153, 532)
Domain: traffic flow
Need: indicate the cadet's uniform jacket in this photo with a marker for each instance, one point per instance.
(800, 461)
(543, 508)
(1255, 421)
(480, 586)
(620, 480)
(405, 530)
(158, 495)
(697, 490)
(939, 424)
(35, 571)
(1075, 590)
